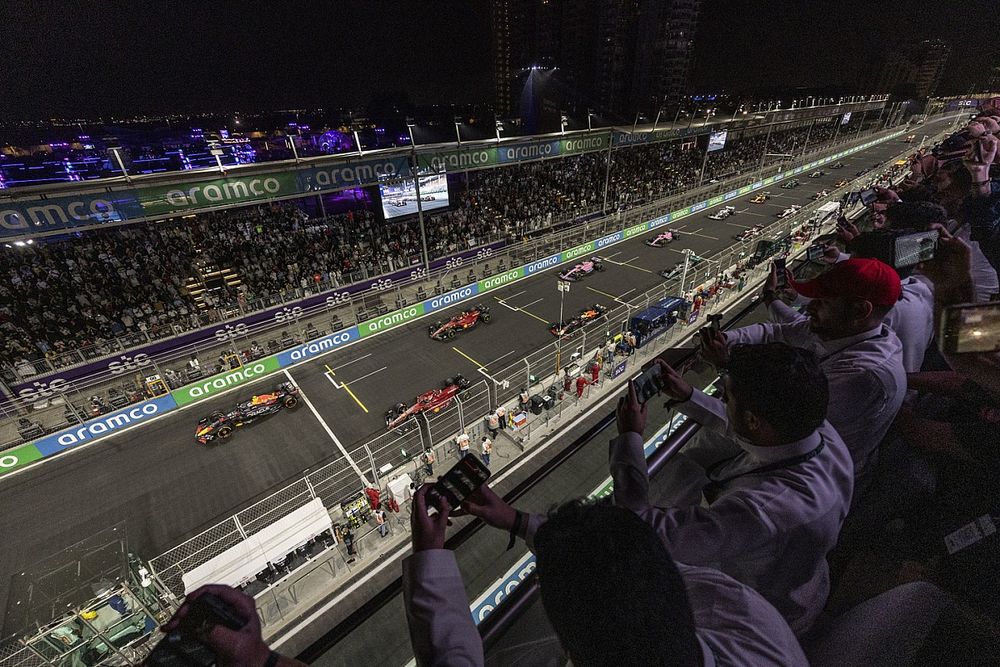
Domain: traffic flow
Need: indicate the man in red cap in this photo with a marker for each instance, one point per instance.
(861, 357)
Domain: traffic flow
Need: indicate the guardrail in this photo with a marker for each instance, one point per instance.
(363, 295)
(116, 421)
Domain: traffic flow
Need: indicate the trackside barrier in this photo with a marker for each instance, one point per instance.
(392, 453)
(28, 454)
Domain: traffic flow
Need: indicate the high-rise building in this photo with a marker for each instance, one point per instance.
(616, 57)
(913, 70)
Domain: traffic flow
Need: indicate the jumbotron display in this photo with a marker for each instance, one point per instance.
(399, 199)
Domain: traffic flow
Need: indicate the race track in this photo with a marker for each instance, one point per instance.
(164, 487)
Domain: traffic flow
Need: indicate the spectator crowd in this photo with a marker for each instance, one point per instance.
(838, 505)
(62, 295)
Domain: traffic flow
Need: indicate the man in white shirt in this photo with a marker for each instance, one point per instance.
(861, 357)
(775, 509)
(610, 590)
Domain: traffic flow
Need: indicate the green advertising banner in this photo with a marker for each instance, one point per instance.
(225, 380)
(716, 200)
(577, 251)
(585, 144)
(12, 459)
(390, 320)
(459, 159)
(638, 229)
(682, 213)
(499, 280)
(168, 199)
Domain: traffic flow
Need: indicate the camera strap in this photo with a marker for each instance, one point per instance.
(715, 485)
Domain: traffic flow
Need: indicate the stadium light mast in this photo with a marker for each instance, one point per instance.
(458, 134)
(590, 114)
(416, 189)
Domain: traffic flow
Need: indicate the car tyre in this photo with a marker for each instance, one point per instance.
(225, 432)
(290, 402)
(486, 317)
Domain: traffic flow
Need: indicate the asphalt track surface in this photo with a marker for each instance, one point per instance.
(164, 487)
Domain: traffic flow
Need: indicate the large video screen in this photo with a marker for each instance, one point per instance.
(399, 199)
(717, 140)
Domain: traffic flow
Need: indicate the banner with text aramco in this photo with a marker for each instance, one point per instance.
(98, 427)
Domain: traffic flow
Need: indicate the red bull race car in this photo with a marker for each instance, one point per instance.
(663, 238)
(467, 319)
(398, 416)
(220, 425)
(582, 269)
(572, 324)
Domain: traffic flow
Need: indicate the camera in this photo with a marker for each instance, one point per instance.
(897, 248)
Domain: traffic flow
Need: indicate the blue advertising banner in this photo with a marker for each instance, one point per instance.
(451, 298)
(318, 346)
(18, 218)
(103, 425)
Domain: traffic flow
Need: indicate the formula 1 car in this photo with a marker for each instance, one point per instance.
(723, 213)
(561, 329)
(582, 269)
(677, 269)
(435, 400)
(861, 172)
(761, 198)
(837, 165)
(788, 185)
(819, 195)
(791, 210)
(750, 233)
(220, 425)
(467, 319)
(817, 173)
(842, 183)
(663, 238)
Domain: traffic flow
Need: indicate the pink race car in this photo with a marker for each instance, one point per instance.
(662, 239)
(582, 269)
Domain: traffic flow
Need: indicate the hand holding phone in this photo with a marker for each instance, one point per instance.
(216, 624)
(461, 481)
(781, 278)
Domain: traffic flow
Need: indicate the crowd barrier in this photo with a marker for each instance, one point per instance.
(56, 443)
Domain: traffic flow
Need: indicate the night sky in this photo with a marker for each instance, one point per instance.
(121, 56)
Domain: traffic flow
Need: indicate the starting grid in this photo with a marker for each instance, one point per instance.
(114, 422)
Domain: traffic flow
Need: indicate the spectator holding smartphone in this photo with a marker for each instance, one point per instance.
(775, 507)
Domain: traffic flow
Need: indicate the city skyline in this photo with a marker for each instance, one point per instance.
(120, 59)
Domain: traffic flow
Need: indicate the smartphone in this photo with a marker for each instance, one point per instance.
(910, 249)
(648, 383)
(815, 252)
(970, 327)
(867, 197)
(779, 270)
(464, 478)
(715, 322)
(182, 647)
(842, 221)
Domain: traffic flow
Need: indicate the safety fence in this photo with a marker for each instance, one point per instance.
(526, 260)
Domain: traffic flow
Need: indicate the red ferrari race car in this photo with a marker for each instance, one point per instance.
(467, 319)
(435, 400)
(663, 238)
(572, 324)
(219, 425)
(582, 269)
(749, 233)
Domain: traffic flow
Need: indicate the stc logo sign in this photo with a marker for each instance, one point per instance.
(231, 332)
(127, 364)
(40, 390)
(288, 314)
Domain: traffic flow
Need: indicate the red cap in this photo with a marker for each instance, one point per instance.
(867, 279)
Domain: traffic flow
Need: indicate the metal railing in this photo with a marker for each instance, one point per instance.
(52, 410)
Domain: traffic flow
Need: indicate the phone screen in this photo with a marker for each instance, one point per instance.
(971, 327)
(867, 197)
(648, 383)
(779, 269)
(815, 252)
(462, 480)
(912, 249)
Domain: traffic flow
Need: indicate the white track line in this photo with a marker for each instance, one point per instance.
(364, 356)
(326, 427)
(366, 375)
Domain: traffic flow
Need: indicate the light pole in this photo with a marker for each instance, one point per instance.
(420, 206)
(499, 126)
(563, 287)
(563, 120)
(121, 164)
(291, 144)
(589, 116)
(657, 120)
(458, 135)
